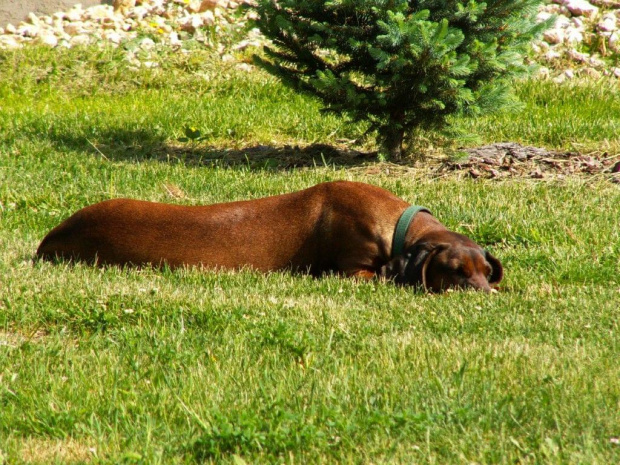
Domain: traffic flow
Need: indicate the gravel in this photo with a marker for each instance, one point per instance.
(584, 41)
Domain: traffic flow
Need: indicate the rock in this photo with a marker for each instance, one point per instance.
(562, 22)
(28, 30)
(99, 12)
(573, 36)
(33, 19)
(207, 5)
(577, 56)
(591, 72)
(123, 6)
(608, 23)
(543, 72)
(596, 62)
(75, 14)
(245, 67)
(191, 24)
(581, 8)
(82, 39)
(578, 23)
(147, 43)
(74, 28)
(49, 39)
(554, 36)
(614, 42)
(552, 55)
(113, 36)
(9, 42)
(125, 18)
(543, 16)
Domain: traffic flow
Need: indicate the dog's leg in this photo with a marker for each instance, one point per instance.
(362, 274)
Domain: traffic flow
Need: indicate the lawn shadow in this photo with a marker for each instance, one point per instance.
(142, 145)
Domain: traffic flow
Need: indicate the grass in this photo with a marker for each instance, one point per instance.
(143, 366)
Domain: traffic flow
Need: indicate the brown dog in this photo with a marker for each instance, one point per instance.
(342, 227)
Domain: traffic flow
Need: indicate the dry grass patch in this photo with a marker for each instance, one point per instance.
(48, 450)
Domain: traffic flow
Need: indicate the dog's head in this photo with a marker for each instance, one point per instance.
(444, 261)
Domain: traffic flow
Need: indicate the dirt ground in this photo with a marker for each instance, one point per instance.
(14, 11)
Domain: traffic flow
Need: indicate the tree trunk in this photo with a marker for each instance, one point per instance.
(393, 142)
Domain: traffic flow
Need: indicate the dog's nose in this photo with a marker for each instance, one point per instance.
(479, 283)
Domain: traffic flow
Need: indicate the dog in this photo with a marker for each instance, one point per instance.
(341, 227)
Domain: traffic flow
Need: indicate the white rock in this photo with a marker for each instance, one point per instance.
(607, 23)
(191, 24)
(577, 56)
(34, 19)
(581, 8)
(578, 23)
(596, 62)
(591, 72)
(554, 36)
(208, 17)
(123, 6)
(139, 12)
(28, 30)
(573, 36)
(74, 29)
(147, 43)
(112, 36)
(614, 42)
(81, 39)
(173, 39)
(559, 79)
(543, 72)
(75, 14)
(569, 73)
(562, 22)
(99, 12)
(49, 39)
(244, 67)
(100, 24)
(9, 42)
(552, 55)
(616, 72)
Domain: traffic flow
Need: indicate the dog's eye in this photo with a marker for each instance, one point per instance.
(460, 270)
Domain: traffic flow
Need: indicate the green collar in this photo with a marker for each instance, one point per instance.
(398, 243)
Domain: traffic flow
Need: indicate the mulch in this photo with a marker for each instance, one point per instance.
(495, 161)
(510, 159)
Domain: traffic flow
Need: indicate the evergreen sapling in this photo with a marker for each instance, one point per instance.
(401, 65)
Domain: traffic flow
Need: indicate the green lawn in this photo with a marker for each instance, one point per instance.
(145, 366)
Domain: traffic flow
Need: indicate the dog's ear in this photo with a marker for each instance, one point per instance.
(498, 271)
(411, 268)
(423, 254)
(396, 269)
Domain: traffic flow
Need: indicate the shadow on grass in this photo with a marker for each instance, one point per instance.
(142, 145)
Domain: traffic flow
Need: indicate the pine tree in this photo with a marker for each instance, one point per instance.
(400, 64)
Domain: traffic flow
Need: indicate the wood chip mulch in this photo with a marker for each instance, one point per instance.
(509, 159)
